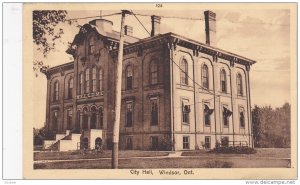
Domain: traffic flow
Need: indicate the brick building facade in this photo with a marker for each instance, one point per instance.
(177, 93)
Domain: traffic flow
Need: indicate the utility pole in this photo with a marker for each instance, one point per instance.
(118, 92)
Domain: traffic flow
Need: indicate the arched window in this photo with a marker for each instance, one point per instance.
(154, 72)
(70, 88)
(184, 72)
(94, 71)
(81, 84)
(56, 91)
(239, 81)
(223, 81)
(91, 45)
(100, 79)
(101, 117)
(205, 82)
(87, 80)
(129, 78)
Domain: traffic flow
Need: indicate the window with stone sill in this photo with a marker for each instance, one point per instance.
(205, 82)
(153, 72)
(226, 114)
(207, 142)
(94, 80)
(207, 114)
(129, 144)
(242, 117)
(70, 89)
(87, 80)
(186, 109)
(55, 120)
(154, 111)
(129, 77)
(100, 79)
(239, 85)
(223, 81)
(184, 72)
(56, 92)
(186, 142)
(81, 84)
(129, 114)
(69, 119)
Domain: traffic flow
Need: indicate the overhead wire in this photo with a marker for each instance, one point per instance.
(140, 22)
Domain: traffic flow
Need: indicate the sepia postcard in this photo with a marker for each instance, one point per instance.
(160, 90)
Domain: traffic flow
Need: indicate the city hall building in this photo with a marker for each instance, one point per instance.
(177, 93)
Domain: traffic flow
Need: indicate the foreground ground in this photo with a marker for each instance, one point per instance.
(264, 158)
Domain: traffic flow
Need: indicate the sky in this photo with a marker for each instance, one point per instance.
(261, 35)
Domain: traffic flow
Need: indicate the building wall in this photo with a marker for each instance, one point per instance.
(141, 94)
(169, 92)
(197, 95)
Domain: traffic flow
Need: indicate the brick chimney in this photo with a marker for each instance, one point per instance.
(128, 30)
(210, 27)
(155, 21)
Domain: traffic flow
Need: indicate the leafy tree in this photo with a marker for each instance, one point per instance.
(46, 32)
(271, 127)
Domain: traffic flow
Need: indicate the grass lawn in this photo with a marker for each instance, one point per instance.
(260, 152)
(105, 154)
(188, 162)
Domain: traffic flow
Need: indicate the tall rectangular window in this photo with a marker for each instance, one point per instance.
(69, 119)
(154, 72)
(184, 72)
(87, 80)
(154, 142)
(55, 121)
(91, 45)
(207, 142)
(242, 117)
(239, 80)
(223, 81)
(56, 91)
(129, 114)
(207, 113)
(226, 114)
(94, 79)
(129, 77)
(81, 84)
(129, 144)
(101, 80)
(70, 90)
(186, 109)
(154, 111)
(205, 82)
(186, 142)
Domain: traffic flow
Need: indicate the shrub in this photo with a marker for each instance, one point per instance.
(218, 164)
(234, 150)
(225, 142)
(166, 143)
